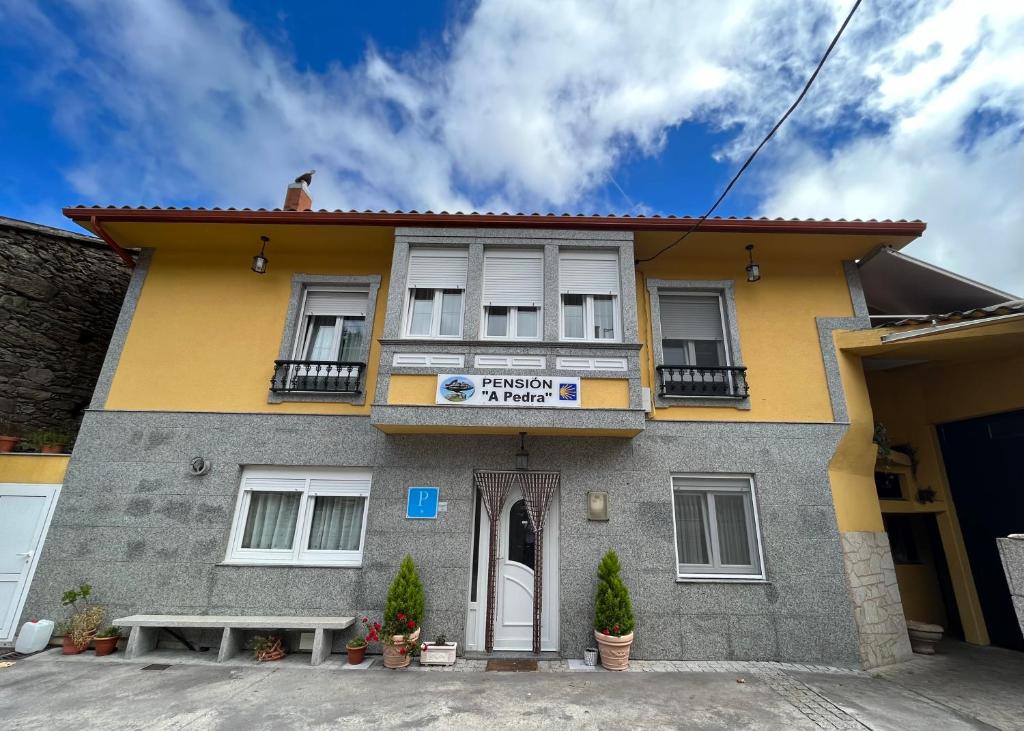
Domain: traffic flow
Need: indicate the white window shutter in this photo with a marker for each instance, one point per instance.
(513, 278)
(686, 317)
(588, 272)
(438, 268)
(332, 302)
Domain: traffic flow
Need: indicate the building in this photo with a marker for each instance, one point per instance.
(60, 294)
(253, 441)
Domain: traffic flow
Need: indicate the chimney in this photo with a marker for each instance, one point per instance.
(297, 197)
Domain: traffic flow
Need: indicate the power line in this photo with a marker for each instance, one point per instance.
(774, 129)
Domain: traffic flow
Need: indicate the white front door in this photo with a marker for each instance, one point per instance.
(513, 620)
(25, 512)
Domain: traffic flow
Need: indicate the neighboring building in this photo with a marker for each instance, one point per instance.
(947, 389)
(60, 294)
(706, 427)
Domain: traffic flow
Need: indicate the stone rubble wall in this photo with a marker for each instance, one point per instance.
(1011, 551)
(877, 607)
(60, 295)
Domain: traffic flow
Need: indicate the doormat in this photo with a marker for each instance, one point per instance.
(156, 666)
(511, 666)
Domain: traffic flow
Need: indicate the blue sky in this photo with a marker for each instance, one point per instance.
(578, 105)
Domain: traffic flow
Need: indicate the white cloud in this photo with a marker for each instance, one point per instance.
(533, 105)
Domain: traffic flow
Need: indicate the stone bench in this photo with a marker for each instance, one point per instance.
(146, 628)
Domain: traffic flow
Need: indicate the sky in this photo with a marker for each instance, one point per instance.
(581, 106)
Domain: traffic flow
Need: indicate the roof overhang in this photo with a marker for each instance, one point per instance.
(899, 285)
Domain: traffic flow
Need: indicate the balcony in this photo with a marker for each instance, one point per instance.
(317, 376)
(703, 382)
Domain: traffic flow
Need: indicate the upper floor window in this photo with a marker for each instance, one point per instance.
(437, 289)
(692, 333)
(513, 293)
(588, 283)
(300, 516)
(334, 326)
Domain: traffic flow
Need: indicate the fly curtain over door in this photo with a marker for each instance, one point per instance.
(537, 488)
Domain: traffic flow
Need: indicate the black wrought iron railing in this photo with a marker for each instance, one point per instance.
(721, 381)
(320, 376)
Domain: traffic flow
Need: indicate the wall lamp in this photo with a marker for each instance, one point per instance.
(522, 456)
(259, 262)
(753, 268)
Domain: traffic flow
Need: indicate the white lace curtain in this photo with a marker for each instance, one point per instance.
(271, 520)
(337, 522)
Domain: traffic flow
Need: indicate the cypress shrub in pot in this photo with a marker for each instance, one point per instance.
(613, 614)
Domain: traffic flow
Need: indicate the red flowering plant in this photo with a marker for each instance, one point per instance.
(372, 630)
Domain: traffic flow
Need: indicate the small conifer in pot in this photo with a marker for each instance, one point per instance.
(613, 614)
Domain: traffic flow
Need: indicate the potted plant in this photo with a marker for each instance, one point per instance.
(83, 621)
(267, 648)
(403, 613)
(10, 435)
(357, 645)
(613, 615)
(106, 641)
(51, 441)
(438, 652)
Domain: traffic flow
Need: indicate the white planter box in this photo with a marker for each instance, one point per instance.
(438, 654)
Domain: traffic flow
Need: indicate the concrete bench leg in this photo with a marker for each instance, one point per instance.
(230, 644)
(140, 641)
(322, 641)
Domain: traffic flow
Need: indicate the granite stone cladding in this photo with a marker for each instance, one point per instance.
(150, 537)
(60, 294)
(1011, 552)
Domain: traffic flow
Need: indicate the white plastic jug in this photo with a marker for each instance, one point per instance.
(34, 636)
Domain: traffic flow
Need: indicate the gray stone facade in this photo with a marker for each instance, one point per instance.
(60, 293)
(1011, 552)
(877, 606)
(151, 538)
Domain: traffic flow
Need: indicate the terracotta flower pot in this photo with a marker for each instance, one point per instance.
(8, 443)
(52, 449)
(356, 655)
(394, 658)
(70, 648)
(105, 645)
(614, 650)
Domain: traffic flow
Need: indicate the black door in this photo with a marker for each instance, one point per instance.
(985, 463)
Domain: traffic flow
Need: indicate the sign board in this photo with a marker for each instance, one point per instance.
(487, 390)
(422, 502)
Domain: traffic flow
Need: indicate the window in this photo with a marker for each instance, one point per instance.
(691, 330)
(716, 528)
(513, 293)
(332, 332)
(303, 516)
(588, 283)
(889, 486)
(902, 538)
(437, 286)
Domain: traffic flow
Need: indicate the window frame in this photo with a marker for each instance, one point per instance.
(435, 313)
(588, 318)
(718, 484)
(299, 554)
(512, 331)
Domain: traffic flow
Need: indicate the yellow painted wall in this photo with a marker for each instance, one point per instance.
(778, 333)
(910, 401)
(595, 393)
(207, 330)
(33, 469)
(919, 590)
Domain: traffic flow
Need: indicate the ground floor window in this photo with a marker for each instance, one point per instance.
(716, 527)
(300, 516)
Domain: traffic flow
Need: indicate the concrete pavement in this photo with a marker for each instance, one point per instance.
(48, 691)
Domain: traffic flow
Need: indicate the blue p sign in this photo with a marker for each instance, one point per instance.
(422, 502)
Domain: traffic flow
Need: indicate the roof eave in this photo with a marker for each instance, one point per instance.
(82, 215)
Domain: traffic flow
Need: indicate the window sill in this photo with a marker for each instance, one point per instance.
(281, 397)
(286, 565)
(721, 580)
(722, 402)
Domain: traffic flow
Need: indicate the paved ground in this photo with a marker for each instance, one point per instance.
(966, 688)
